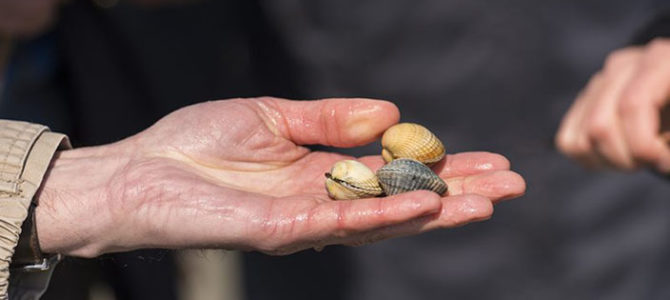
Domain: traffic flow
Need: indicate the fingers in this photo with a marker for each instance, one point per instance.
(363, 221)
(482, 173)
(615, 121)
(335, 222)
(571, 138)
(456, 211)
(641, 103)
(602, 119)
(342, 218)
(351, 222)
(331, 122)
(591, 130)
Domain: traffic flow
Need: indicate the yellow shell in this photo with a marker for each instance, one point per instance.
(409, 140)
(350, 179)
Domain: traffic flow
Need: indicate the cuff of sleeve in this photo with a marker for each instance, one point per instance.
(26, 151)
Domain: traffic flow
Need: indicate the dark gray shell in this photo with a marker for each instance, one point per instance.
(404, 175)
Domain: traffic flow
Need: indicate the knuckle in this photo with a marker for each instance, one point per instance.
(343, 227)
(600, 127)
(595, 81)
(645, 152)
(628, 103)
(581, 147)
(659, 45)
(616, 60)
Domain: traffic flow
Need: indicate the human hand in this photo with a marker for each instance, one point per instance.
(618, 120)
(233, 174)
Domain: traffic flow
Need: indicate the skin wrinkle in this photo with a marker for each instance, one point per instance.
(268, 223)
(69, 198)
(213, 173)
(176, 204)
(157, 195)
(342, 219)
(293, 223)
(269, 116)
(328, 109)
(279, 119)
(304, 121)
(259, 128)
(76, 238)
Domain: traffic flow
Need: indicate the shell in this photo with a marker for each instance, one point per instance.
(409, 140)
(404, 175)
(350, 179)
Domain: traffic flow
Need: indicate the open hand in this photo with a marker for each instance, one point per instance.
(234, 174)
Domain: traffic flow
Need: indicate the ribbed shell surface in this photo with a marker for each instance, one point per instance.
(404, 175)
(409, 140)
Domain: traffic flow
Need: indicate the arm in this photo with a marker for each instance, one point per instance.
(234, 174)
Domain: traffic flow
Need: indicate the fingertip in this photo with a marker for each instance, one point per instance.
(516, 186)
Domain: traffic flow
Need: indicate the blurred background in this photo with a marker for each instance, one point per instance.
(483, 75)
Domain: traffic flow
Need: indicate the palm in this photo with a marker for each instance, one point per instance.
(253, 185)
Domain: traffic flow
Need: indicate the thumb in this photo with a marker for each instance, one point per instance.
(340, 122)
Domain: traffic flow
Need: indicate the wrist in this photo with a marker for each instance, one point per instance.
(73, 216)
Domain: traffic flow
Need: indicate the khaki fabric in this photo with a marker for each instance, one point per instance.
(26, 151)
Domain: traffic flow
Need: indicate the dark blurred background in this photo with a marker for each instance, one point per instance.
(484, 75)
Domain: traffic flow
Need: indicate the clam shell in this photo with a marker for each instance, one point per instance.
(409, 140)
(350, 179)
(404, 175)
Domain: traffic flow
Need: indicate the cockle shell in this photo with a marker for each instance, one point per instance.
(350, 179)
(404, 175)
(409, 140)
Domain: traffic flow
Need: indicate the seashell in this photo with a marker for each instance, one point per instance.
(409, 140)
(405, 174)
(350, 179)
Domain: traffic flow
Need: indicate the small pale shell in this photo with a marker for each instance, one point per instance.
(409, 140)
(350, 179)
(404, 175)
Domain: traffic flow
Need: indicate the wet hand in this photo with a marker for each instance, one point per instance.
(236, 174)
